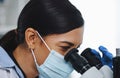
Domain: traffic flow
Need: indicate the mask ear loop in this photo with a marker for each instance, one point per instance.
(43, 41)
(34, 56)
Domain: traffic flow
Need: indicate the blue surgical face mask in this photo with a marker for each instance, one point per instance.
(54, 66)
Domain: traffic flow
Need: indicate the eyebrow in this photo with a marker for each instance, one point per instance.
(69, 43)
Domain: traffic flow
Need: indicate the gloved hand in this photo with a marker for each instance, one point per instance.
(106, 57)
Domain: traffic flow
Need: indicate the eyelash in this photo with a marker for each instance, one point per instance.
(65, 48)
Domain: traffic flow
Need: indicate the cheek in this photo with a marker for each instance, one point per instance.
(57, 49)
(52, 44)
(41, 53)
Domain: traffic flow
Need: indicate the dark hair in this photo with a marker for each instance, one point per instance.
(9, 41)
(48, 17)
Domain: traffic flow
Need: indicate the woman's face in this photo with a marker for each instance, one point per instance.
(61, 43)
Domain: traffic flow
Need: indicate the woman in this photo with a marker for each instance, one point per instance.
(47, 30)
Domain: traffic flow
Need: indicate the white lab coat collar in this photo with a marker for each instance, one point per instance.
(7, 62)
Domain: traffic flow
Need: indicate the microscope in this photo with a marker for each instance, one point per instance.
(87, 64)
(116, 64)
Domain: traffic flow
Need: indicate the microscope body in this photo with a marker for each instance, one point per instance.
(82, 66)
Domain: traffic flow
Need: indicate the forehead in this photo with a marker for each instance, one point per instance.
(74, 36)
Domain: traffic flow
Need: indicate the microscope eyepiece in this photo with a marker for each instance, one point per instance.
(91, 58)
(79, 63)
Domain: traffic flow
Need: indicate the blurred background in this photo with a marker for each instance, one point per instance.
(102, 25)
(9, 12)
(102, 21)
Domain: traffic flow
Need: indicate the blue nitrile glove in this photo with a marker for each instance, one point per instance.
(106, 58)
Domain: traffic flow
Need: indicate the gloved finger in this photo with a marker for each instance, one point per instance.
(103, 49)
(96, 53)
(106, 53)
(107, 56)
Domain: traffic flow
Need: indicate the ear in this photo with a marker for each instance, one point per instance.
(31, 37)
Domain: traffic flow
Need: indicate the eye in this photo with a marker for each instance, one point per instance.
(65, 48)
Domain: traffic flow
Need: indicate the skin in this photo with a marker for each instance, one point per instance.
(61, 43)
